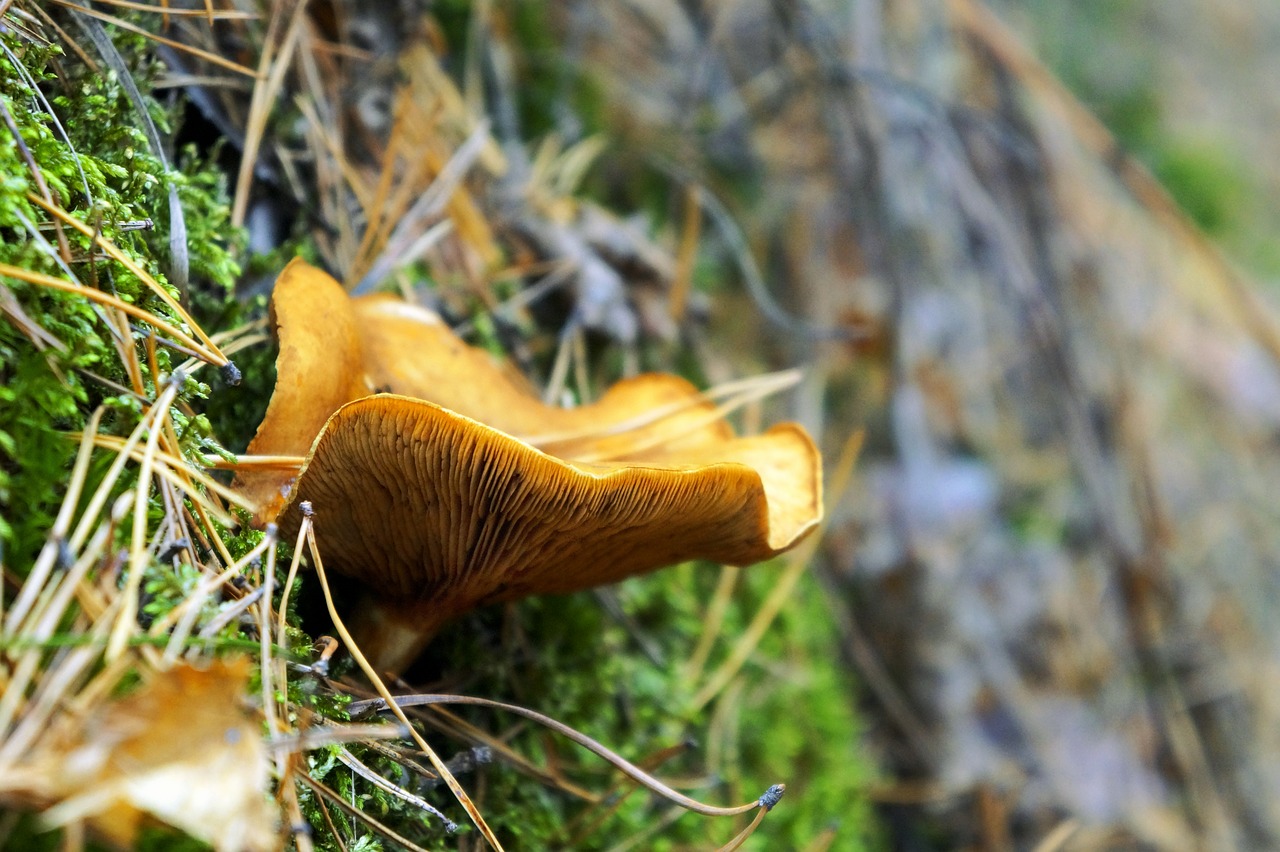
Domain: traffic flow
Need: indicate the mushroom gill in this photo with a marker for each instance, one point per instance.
(436, 497)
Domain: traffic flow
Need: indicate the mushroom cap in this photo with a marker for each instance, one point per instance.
(335, 349)
(444, 369)
(441, 513)
(318, 369)
(486, 494)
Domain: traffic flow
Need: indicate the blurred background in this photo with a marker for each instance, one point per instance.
(1029, 248)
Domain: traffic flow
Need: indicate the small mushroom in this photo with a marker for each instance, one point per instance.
(438, 499)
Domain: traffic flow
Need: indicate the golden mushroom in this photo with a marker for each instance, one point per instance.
(428, 496)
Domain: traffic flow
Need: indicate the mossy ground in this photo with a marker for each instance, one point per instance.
(787, 717)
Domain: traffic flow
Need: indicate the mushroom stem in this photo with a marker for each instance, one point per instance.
(390, 635)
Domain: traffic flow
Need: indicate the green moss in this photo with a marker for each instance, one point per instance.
(623, 686)
(1207, 182)
(97, 166)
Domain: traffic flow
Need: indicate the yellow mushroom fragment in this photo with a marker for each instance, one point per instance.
(437, 499)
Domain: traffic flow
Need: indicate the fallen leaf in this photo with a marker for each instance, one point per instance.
(179, 749)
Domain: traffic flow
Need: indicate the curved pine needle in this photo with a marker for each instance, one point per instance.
(375, 705)
(741, 838)
(441, 769)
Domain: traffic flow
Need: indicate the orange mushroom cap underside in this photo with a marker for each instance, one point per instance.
(425, 504)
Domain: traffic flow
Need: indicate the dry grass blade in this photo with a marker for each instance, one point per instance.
(325, 735)
(55, 548)
(113, 442)
(382, 690)
(797, 561)
(179, 261)
(216, 355)
(406, 235)
(351, 762)
(1058, 837)
(360, 708)
(741, 838)
(735, 394)
(270, 76)
(126, 623)
(184, 613)
(52, 600)
(234, 611)
(207, 56)
(325, 134)
(682, 281)
(244, 462)
(208, 13)
(712, 622)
